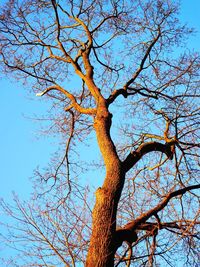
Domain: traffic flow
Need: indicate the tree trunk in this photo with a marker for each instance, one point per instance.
(103, 243)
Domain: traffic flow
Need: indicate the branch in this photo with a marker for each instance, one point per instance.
(57, 18)
(145, 148)
(115, 94)
(102, 22)
(141, 67)
(85, 52)
(62, 48)
(140, 223)
(74, 104)
(149, 226)
(103, 64)
(134, 91)
(15, 67)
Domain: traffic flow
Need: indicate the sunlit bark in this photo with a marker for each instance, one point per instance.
(95, 60)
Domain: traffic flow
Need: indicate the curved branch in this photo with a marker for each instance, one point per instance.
(145, 148)
(141, 67)
(62, 48)
(74, 104)
(103, 64)
(102, 22)
(115, 94)
(139, 222)
(134, 91)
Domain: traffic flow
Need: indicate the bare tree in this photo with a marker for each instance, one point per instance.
(105, 63)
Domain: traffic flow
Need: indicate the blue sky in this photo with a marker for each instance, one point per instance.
(21, 149)
(20, 146)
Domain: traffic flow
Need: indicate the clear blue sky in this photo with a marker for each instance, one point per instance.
(21, 150)
(20, 146)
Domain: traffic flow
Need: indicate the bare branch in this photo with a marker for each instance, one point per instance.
(146, 148)
(71, 97)
(138, 223)
(141, 67)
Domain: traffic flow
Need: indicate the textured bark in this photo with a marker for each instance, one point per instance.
(105, 239)
(102, 243)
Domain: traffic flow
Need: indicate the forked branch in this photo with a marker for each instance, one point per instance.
(140, 222)
(142, 63)
(90, 111)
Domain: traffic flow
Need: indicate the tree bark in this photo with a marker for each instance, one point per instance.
(103, 243)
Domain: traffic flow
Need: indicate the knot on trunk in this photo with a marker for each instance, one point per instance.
(103, 121)
(102, 195)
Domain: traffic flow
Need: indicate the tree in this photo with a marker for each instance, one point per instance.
(102, 63)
